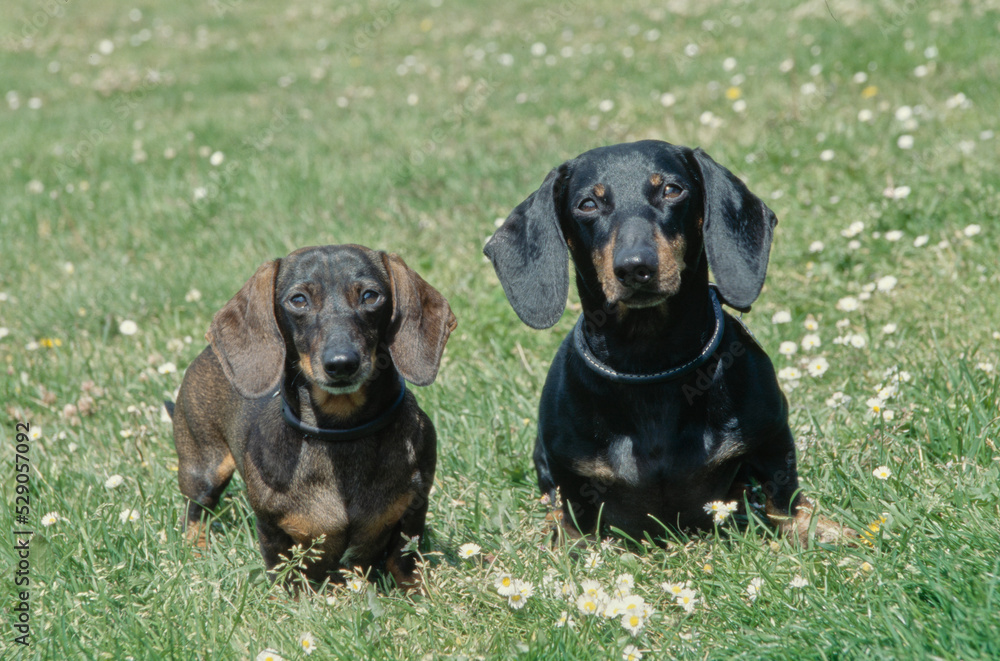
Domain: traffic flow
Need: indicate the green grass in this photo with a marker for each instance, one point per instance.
(308, 105)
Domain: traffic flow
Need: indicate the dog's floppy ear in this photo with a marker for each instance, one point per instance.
(421, 323)
(737, 227)
(245, 336)
(530, 257)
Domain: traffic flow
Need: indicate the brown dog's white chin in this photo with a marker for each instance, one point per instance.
(343, 390)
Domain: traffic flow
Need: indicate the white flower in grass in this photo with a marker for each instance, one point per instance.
(113, 482)
(167, 368)
(356, 584)
(787, 348)
(128, 327)
(624, 585)
(827, 155)
(631, 653)
(566, 590)
(781, 317)
(848, 304)
(810, 324)
(564, 620)
(972, 230)
(984, 366)
(754, 588)
(505, 585)
(798, 582)
(128, 515)
(612, 609)
(816, 246)
(882, 472)
(838, 399)
(889, 329)
(593, 560)
(307, 642)
(720, 510)
(875, 404)
(896, 192)
(50, 519)
(673, 588)
(789, 373)
(269, 655)
(468, 550)
(921, 241)
(522, 591)
(192, 296)
(633, 622)
(857, 341)
(852, 230)
(588, 604)
(687, 599)
(811, 341)
(893, 235)
(886, 283)
(817, 366)
(905, 141)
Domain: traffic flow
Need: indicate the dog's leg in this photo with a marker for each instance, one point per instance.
(403, 565)
(204, 467)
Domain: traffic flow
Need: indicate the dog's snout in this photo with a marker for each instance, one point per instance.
(341, 363)
(635, 267)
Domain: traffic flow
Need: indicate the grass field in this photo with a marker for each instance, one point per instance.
(154, 154)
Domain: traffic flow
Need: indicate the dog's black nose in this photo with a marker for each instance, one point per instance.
(341, 363)
(636, 267)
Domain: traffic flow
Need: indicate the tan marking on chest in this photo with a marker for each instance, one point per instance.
(595, 467)
(339, 406)
(303, 527)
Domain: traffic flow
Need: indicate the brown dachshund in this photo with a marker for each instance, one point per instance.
(302, 391)
(658, 403)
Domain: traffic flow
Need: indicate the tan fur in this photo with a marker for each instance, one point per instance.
(303, 528)
(599, 190)
(597, 468)
(339, 406)
(604, 260)
(670, 253)
(656, 179)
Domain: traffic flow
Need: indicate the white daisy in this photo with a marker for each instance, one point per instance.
(468, 550)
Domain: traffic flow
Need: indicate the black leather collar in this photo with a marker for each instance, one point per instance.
(350, 434)
(582, 348)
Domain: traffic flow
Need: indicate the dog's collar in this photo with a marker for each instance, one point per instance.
(351, 433)
(580, 343)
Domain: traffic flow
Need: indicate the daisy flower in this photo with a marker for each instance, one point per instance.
(754, 588)
(781, 317)
(817, 366)
(889, 329)
(593, 560)
(787, 348)
(624, 584)
(816, 246)
(167, 368)
(882, 472)
(720, 510)
(590, 587)
(613, 609)
(128, 327)
(798, 582)
(875, 404)
(633, 622)
(356, 584)
(886, 283)
(811, 341)
(848, 304)
(307, 642)
(113, 482)
(921, 241)
(857, 341)
(588, 604)
(50, 519)
(686, 599)
(564, 620)
(505, 585)
(852, 230)
(522, 591)
(673, 589)
(566, 589)
(972, 230)
(269, 655)
(631, 653)
(894, 235)
(468, 550)
(789, 373)
(128, 515)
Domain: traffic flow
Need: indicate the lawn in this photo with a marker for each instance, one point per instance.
(154, 154)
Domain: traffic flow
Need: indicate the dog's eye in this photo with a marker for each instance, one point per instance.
(299, 301)
(370, 296)
(670, 191)
(587, 206)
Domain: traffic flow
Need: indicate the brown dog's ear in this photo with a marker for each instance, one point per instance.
(530, 256)
(738, 228)
(245, 336)
(421, 323)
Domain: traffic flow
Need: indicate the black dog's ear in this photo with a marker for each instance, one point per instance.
(245, 336)
(421, 323)
(530, 257)
(738, 228)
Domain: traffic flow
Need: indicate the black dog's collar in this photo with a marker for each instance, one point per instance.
(580, 342)
(351, 433)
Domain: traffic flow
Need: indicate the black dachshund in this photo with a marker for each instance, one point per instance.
(658, 403)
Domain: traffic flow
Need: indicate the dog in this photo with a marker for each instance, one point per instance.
(302, 390)
(658, 403)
